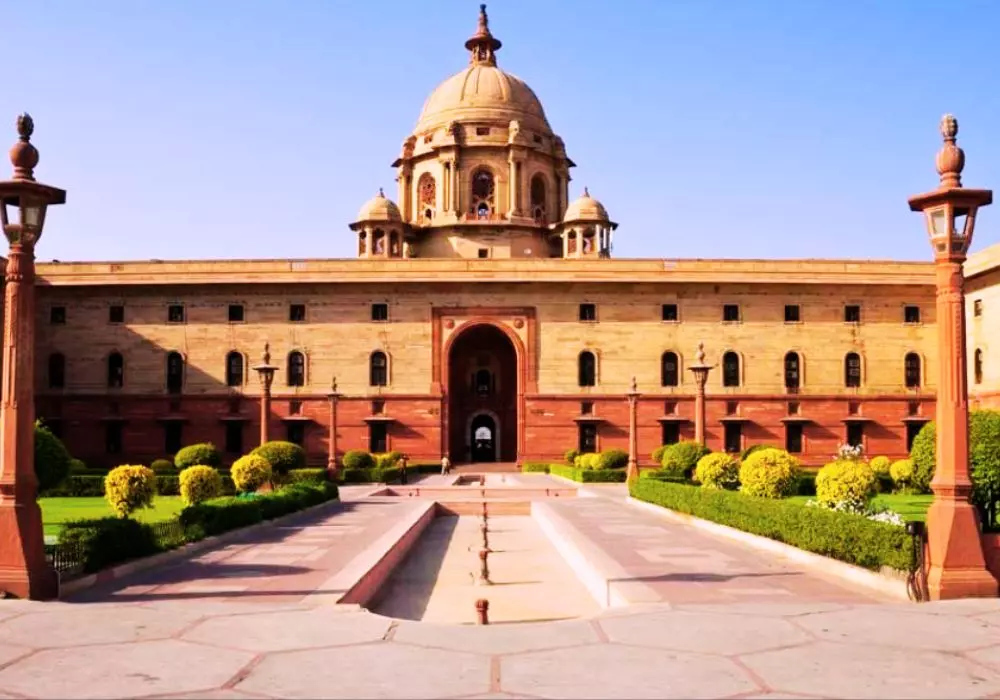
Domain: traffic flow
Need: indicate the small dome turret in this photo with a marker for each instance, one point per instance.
(586, 208)
(379, 208)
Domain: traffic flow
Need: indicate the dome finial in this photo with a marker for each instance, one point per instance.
(24, 156)
(586, 192)
(482, 45)
(381, 193)
(950, 159)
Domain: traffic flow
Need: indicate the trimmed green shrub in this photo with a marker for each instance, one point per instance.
(846, 484)
(681, 458)
(769, 473)
(806, 484)
(281, 455)
(105, 542)
(162, 465)
(588, 476)
(612, 459)
(880, 465)
(718, 471)
(128, 488)
(571, 455)
(313, 475)
(52, 459)
(587, 460)
(660, 475)
(658, 454)
(755, 448)
(77, 467)
(250, 472)
(358, 459)
(850, 538)
(201, 453)
(199, 483)
(387, 460)
(535, 467)
(902, 474)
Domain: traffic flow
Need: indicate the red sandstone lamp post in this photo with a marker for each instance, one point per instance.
(956, 567)
(632, 472)
(331, 456)
(265, 370)
(23, 201)
(700, 371)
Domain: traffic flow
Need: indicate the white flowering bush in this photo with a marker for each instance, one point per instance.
(879, 515)
(848, 453)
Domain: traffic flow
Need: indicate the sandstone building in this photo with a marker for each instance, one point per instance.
(485, 318)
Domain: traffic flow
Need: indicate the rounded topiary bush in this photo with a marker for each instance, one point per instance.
(358, 459)
(77, 466)
(201, 453)
(52, 459)
(570, 456)
(283, 456)
(128, 488)
(162, 465)
(901, 472)
(681, 458)
(387, 460)
(984, 454)
(250, 472)
(657, 455)
(588, 460)
(200, 483)
(612, 459)
(755, 448)
(718, 471)
(769, 473)
(880, 465)
(846, 485)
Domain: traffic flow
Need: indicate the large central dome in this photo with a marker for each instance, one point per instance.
(483, 92)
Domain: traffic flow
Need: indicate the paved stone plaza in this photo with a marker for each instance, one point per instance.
(253, 618)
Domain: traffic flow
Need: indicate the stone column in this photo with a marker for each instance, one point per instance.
(23, 570)
(632, 472)
(700, 371)
(331, 455)
(265, 370)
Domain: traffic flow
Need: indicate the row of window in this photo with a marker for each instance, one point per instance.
(236, 313)
(731, 313)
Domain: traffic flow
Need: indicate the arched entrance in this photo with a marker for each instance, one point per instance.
(483, 437)
(482, 396)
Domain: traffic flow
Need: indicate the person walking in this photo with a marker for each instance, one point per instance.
(445, 465)
(402, 468)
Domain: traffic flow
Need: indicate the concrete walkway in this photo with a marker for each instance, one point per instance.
(248, 620)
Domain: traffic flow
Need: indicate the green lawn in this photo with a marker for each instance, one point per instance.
(56, 511)
(909, 507)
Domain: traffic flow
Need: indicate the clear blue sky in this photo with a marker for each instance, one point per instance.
(709, 128)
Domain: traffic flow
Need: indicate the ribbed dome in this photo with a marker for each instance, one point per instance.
(586, 208)
(483, 92)
(379, 208)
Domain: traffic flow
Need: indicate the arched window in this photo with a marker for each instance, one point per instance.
(483, 194)
(793, 371)
(57, 370)
(175, 372)
(378, 369)
(296, 368)
(539, 206)
(669, 369)
(587, 369)
(427, 195)
(378, 242)
(730, 369)
(911, 370)
(852, 370)
(977, 366)
(116, 370)
(234, 369)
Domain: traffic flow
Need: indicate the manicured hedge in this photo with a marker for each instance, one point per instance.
(93, 485)
(303, 476)
(589, 476)
(849, 538)
(535, 467)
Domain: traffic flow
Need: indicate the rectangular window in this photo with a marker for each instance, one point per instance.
(793, 438)
(172, 436)
(297, 313)
(977, 308)
(234, 437)
(671, 433)
(855, 434)
(792, 313)
(116, 314)
(296, 433)
(380, 312)
(57, 315)
(731, 313)
(852, 313)
(484, 253)
(912, 429)
(377, 437)
(113, 437)
(587, 438)
(670, 312)
(588, 312)
(911, 314)
(733, 437)
(236, 313)
(482, 131)
(175, 313)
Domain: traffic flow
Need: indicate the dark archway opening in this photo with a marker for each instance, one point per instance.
(482, 393)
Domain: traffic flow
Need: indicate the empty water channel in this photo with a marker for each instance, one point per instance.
(506, 557)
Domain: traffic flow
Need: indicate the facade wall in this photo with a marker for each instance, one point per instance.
(982, 317)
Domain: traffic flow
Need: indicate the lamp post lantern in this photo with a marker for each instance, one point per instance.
(265, 371)
(956, 566)
(331, 455)
(24, 573)
(632, 472)
(700, 371)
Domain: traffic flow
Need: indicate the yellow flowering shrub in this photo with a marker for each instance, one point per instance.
(769, 473)
(200, 483)
(880, 465)
(588, 460)
(128, 488)
(902, 472)
(718, 471)
(250, 472)
(845, 485)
